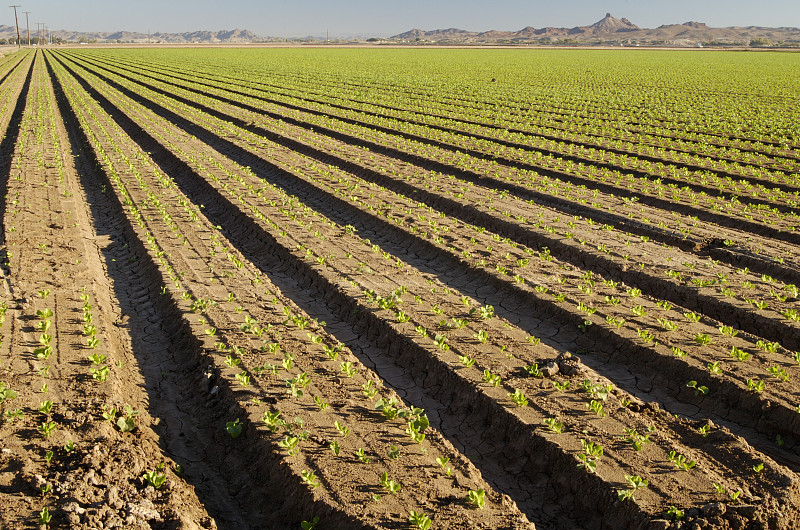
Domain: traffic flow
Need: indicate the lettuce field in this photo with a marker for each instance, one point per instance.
(383, 288)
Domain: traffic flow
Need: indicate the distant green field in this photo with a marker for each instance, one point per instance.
(725, 91)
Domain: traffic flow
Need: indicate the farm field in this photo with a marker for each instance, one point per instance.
(376, 288)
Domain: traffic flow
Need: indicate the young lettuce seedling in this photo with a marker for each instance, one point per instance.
(289, 443)
(97, 359)
(155, 479)
(755, 386)
(466, 361)
(519, 398)
(420, 520)
(477, 498)
(348, 369)
(680, 461)
(392, 486)
(126, 424)
(554, 425)
(591, 454)
(234, 428)
(635, 482)
(492, 379)
(45, 517)
(369, 389)
(596, 406)
(534, 371)
(343, 430)
(47, 428)
(636, 439)
(310, 479)
(100, 374)
(309, 525)
(321, 403)
(698, 389)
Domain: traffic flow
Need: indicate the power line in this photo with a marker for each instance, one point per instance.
(28, 26)
(19, 45)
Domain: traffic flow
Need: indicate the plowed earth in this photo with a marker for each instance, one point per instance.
(263, 296)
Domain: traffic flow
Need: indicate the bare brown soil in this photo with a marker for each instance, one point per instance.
(243, 275)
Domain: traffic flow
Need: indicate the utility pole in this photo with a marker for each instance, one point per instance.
(19, 45)
(38, 34)
(28, 26)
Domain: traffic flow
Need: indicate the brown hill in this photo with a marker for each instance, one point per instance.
(611, 30)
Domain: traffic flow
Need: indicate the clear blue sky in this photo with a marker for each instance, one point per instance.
(293, 18)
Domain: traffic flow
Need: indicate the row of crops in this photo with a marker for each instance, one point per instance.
(410, 288)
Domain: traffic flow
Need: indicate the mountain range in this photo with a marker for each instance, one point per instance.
(611, 30)
(235, 36)
(607, 31)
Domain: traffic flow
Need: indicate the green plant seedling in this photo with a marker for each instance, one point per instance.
(6, 393)
(45, 517)
(477, 498)
(369, 389)
(342, 428)
(596, 406)
(519, 398)
(100, 374)
(348, 369)
(234, 428)
(393, 452)
(492, 379)
(47, 428)
(680, 461)
(554, 425)
(97, 359)
(362, 456)
(126, 423)
(635, 482)
(310, 479)
(46, 407)
(698, 389)
(466, 361)
(533, 370)
(309, 525)
(420, 520)
(155, 479)
(636, 439)
(289, 443)
(391, 486)
(561, 386)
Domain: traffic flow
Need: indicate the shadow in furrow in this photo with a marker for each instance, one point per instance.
(9, 142)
